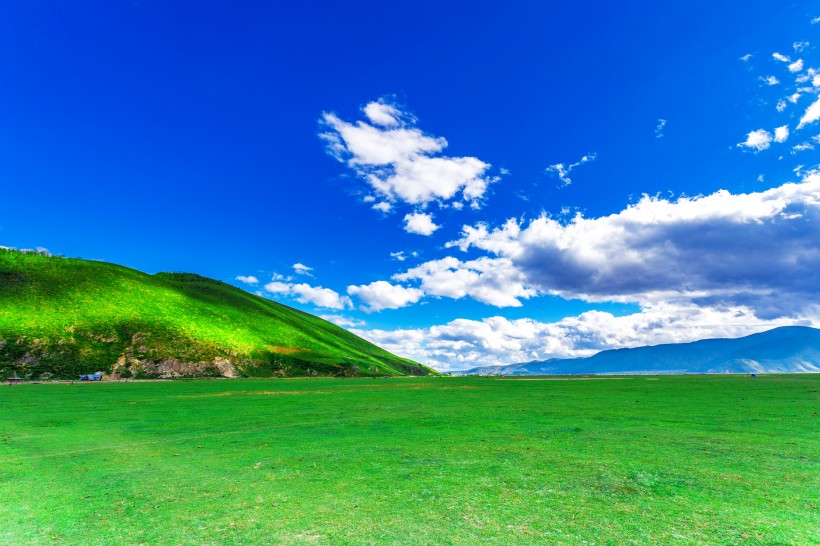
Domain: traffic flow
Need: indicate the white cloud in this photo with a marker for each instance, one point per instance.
(400, 162)
(780, 57)
(805, 77)
(383, 113)
(494, 281)
(770, 80)
(420, 223)
(383, 206)
(758, 140)
(562, 170)
(305, 293)
(815, 20)
(781, 105)
(781, 133)
(250, 279)
(796, 66)
(381, 295)
(302, 269)
(462, 343)
(793, 98)
(800, 46)
(746, 57)
(803, 146)
(811, 114)
(659, 128)
(759, 249)
(343, 321)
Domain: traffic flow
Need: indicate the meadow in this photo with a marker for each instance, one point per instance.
(434, 460)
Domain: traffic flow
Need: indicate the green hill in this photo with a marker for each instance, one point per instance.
(60, 317)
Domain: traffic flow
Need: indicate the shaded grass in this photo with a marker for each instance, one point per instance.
(714, 459)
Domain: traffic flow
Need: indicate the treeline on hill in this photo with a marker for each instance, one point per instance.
(62, 317)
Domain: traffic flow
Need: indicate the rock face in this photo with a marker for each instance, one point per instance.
(169, 368)
(782, 350)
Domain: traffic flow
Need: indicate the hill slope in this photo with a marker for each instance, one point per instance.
(786, 349)
(60, 317)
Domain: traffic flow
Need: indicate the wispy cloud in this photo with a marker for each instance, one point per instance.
(811, 114)
(562, 170)
(659, 128)
(302, 269)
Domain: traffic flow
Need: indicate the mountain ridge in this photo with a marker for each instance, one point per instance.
(780, 350)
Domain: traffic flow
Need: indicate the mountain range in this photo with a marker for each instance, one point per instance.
(785, 349)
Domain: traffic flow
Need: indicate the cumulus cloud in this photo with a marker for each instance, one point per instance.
(757, 140)
(250, 279)
(399, 161)
(781, 133)
(381, 295)
(759, 249)
(302, 269)
(780, 57)
(811, 114)
(494, 281)
(781, 105)
(562, 170)
(421, 223)
(462, 343)
(305, 293)
(770, 80)
(796, 66)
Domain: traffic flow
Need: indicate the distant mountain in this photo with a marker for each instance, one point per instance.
(786, 349)
(60, 317)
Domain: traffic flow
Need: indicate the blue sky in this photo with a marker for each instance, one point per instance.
(462, 183)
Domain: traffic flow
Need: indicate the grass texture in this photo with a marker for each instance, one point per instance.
(634, 460)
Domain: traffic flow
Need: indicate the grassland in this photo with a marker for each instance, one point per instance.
(637, 460)
(60, 317)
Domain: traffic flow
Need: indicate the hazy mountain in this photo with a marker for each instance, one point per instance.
(786, 349)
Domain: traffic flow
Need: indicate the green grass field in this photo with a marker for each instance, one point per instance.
(636, 460)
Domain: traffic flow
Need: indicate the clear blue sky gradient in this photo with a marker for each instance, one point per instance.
(183, 136)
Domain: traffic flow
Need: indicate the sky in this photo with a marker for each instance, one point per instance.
(462, 183)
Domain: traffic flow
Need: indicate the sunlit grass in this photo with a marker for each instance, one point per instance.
(697, 460)
(77, 316)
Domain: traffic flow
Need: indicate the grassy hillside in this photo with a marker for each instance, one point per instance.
(637, 460)
(60, 317)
